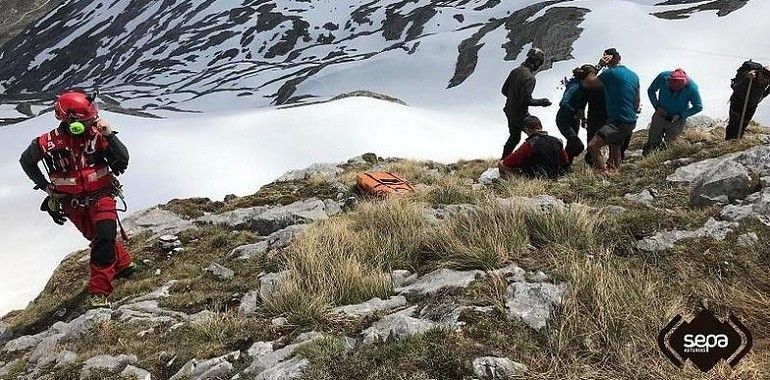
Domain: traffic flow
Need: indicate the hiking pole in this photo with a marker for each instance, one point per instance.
(745, 107)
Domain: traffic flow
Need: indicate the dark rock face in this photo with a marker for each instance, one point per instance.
(150, 52)
(15, 15)
(723, 8)
(149, 56)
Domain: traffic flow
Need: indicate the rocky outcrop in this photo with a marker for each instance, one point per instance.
(534, 303)
(316, 170)
(275, 241)
(372, 307)
(158, 221)
(492, 368)
(44, 348)
(664, 240)
(726, 182)
(215, 368)
(266, 220)
(271, 363)
(135, 373)
(756, 206)
(106, 363)
(645, 197)
(489, 176)
(727, 178)
(440, 279)
(220, 271)
(397, 326)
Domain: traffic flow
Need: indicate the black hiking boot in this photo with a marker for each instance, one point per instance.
(127, 271)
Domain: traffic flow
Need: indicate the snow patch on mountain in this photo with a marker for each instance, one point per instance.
(204, 55)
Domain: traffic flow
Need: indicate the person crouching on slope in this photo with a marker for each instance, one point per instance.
(572, 109)
(82, 157)
(540, 156)
(621, 90)
(675, 97)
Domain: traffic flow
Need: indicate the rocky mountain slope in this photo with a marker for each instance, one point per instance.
(470, 277)
(198, 55)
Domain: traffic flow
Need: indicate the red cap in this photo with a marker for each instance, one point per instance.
(77, 106)
(678, 80)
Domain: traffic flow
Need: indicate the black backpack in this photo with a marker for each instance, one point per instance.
(748, 66)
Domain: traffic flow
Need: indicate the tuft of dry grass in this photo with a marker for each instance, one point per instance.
(521, 187)
(348, 260)
(576, 227)
(483, 238)
(448, 190)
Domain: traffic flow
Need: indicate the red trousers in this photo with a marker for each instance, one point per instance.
(98, 224)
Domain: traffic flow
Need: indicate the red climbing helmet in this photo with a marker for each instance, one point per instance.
(75, 105)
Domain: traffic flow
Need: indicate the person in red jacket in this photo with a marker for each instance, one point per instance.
(540, 155)
(82, 156)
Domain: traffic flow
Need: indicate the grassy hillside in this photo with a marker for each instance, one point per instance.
(619, 298)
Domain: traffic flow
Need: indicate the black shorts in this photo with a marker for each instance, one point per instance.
(616, 133)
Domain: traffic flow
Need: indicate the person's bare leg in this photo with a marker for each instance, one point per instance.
(595, 150)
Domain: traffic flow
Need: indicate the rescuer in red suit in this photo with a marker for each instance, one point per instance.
(82, 157)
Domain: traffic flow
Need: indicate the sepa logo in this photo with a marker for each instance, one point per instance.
(705, 341)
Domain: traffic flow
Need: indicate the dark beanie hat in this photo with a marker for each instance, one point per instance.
(532, 121)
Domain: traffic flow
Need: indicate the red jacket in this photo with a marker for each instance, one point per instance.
(76, 165)
(539, 155)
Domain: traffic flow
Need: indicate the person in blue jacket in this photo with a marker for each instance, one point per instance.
(675, 97)
(572, 110)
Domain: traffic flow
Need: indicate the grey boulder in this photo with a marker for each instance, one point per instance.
(646, 196)
(661, 241)
(440, 279)
(270, 283)
(747, 240)
(158, 221)
(249, 303)
(220, 271)
(493, 368)
(108, 363)
(534, 304)
(286, 370)
(397, 326)
(489, 176)
(215, 368)
(135, 373)
(371, 307)
(265, 220)
(324, 170)
(756, 206)
(725, 182)
(249, 251)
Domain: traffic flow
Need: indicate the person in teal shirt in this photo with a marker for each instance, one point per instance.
(622, 97)
(675, 97)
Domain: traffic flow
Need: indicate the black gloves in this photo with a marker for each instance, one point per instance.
(542, 102)
(118, 167)
(574, 146)
(56, 213)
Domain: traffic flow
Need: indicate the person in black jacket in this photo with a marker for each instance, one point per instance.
(596, 113)
(759, 78)
(540, 156)
(518, 92)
